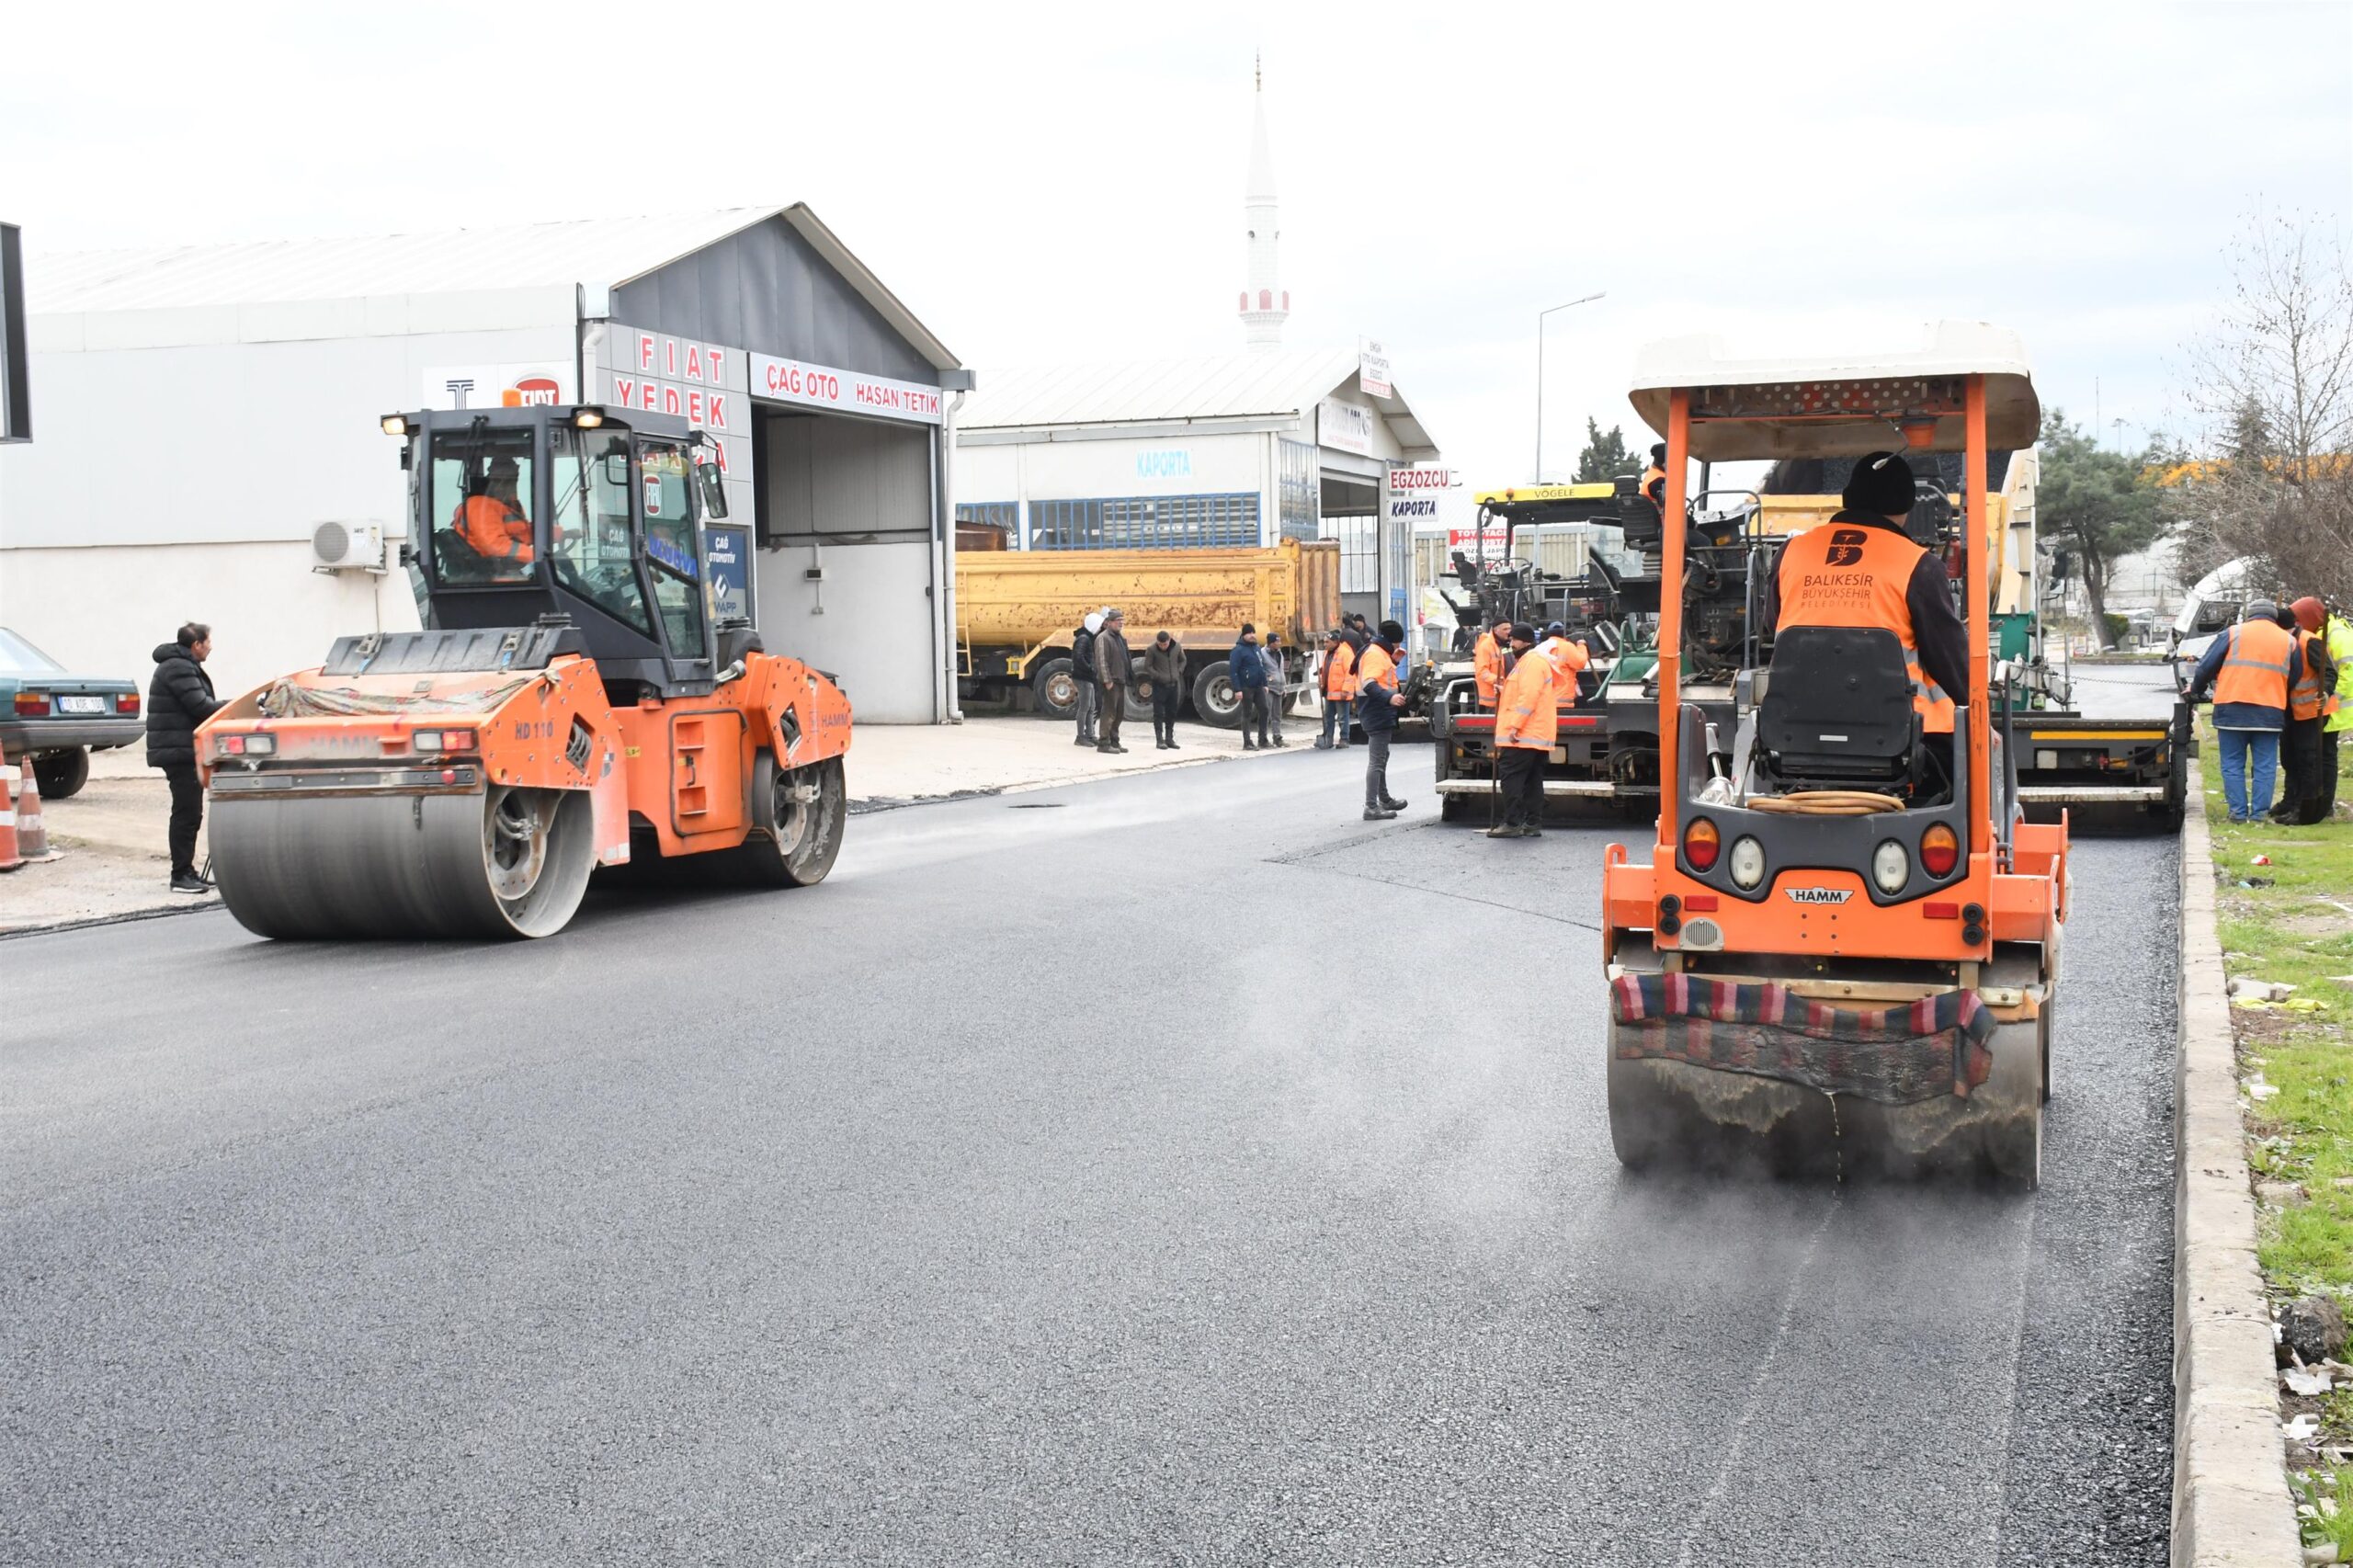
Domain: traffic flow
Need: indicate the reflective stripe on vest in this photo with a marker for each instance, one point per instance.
(2258, 660)
(1848, 574)
(2305, 699)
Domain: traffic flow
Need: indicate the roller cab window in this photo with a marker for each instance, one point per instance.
(672, 550)
(590, 551)
(478, 501)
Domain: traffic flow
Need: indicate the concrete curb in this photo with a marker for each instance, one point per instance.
(2231, 1504)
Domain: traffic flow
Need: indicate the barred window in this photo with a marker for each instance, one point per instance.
(1297, 504)
(1359, 539)
(1145, 522)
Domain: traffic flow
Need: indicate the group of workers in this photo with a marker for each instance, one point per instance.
(2282, 685)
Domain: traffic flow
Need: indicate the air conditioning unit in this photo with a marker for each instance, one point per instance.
(347, 546)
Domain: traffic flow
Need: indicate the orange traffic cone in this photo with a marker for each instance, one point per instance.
(10, 858)
(32, 836)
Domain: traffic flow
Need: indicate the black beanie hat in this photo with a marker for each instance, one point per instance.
(1248, 630)
(1881, 484)
(1521, 632)
(1658, 452)
(1392, 632)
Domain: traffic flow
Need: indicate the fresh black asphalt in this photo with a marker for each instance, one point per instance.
(1172, 1169)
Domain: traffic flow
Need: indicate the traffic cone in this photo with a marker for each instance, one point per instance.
(10, 858)
(32, 837)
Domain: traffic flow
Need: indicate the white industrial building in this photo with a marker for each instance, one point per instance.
(206, 414)
(1242, 449)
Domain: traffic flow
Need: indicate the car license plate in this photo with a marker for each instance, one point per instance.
(81, 704)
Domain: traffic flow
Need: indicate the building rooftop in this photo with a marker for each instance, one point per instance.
(1279, 384)
(601, 253)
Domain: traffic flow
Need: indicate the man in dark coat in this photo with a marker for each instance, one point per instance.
(1164, 669)
(1082, 670)
(178, 700)
(1245, 671)
(1114, 669)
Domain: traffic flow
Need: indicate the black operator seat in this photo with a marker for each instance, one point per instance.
(1837, 711)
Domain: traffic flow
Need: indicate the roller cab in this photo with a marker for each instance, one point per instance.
(1842, 952)
(571, 704)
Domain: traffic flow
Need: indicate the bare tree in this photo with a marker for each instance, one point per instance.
(2274, 383)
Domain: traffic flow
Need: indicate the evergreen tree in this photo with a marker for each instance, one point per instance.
(1605, 457)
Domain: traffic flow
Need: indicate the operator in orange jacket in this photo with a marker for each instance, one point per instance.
(1487, 662)
(1861, 569)
(492, 521)
(1527, 725)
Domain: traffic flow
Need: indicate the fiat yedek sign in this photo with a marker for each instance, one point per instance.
(843, 392)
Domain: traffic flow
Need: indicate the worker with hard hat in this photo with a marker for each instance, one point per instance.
(1487, 661)
(492, 521)
(1861, 569)
(2250, 667)
(1527, 723)
(2308, 762)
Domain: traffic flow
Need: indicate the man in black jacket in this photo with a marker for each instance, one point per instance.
(1082, 671)
(178, 700)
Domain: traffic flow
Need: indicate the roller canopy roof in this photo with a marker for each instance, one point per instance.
(1840, 404)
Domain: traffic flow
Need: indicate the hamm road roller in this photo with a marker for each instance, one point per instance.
(571, 704)
(1842, 952)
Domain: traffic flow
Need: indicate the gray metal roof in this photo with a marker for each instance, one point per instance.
(603, 253)
(1281, 384)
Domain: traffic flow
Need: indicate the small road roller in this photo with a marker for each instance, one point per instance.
(571, 704)
(1842, 952)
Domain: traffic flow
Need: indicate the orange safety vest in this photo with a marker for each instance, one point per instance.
(1373, 667)
(1539, 685)
(1849, 574)
(2305, 699)
(1489, 659)
(1340, 672)
(2258, 662)
(496, 529)
(1655, 475)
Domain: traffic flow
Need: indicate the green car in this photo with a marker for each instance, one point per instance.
(58, 719)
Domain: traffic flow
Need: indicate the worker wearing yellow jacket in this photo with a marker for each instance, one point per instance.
(1487, 662)
(1527, 725)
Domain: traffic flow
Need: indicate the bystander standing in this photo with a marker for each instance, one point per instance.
(1270, 710)
(1246, 673)
(1114, 669)
(180, 697)
(1164, 671)
(1082, 671)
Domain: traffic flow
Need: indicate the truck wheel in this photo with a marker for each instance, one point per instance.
(1056, 686)
(61, 774)
(1214, 700)
(1139, 703)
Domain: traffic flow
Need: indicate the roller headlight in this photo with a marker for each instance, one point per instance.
(1747, 862)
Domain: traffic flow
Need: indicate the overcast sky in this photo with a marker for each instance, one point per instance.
(1045, 184)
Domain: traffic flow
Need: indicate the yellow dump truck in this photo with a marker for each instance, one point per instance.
(1018, 610)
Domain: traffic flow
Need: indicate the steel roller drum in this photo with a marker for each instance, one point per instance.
(1674, 1114)
(502, 864)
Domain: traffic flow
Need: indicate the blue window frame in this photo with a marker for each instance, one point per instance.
(1145, 522)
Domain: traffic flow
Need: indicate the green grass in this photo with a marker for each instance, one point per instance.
(2298, 929)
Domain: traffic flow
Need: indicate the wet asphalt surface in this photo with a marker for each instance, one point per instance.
(1171, 1169)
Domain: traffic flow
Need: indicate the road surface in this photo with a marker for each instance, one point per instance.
(1170, 1169)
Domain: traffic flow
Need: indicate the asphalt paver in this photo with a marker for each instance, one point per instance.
(1174, 1168)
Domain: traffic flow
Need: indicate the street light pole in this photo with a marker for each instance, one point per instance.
(1539, 377)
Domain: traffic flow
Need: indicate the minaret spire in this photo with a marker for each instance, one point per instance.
(1263, 303)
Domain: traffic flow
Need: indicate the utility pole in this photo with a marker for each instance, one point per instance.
(1539, 377)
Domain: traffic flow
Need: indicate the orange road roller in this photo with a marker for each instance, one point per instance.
(1842, 951)
(572, 704)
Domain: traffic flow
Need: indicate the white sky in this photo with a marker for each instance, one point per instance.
(1051, 183)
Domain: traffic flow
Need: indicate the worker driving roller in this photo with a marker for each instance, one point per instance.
(492, 521)
(1861, 569)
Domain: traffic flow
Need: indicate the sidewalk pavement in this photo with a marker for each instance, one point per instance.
(114, 864)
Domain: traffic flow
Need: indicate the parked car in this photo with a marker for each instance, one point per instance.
(58, 719)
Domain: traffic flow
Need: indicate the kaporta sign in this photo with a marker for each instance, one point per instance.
(843, 392)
